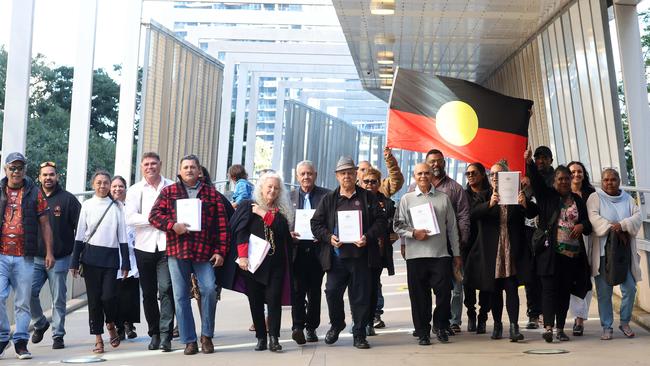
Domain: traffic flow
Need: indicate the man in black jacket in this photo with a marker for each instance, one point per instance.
(63, 216)
(348, 263)
(308, 274)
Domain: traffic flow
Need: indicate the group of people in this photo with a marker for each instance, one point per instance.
(561, 234)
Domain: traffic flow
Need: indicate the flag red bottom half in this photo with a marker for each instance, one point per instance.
(415, 132)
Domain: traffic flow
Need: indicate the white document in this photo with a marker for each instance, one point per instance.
(508, 188)
(258, 248)
(424, 217)
(303, 224)
(349, 225)
(188, 211)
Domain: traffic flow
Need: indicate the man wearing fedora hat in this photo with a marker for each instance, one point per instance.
(23, 210)
(348, 264)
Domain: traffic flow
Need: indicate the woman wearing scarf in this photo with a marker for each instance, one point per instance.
(612, 210)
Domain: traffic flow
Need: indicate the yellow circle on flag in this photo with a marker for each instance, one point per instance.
(457, 122)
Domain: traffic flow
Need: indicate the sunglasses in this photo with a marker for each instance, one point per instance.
(370, 181)
(471, 173)
(16, 168)
(47, 163)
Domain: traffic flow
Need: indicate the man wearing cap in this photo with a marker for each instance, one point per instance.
(24, 210)
(348, 264)
(63, 216)
(307, 271)
(544, 161)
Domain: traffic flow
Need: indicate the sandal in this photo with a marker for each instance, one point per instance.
(607, 334)
(627, 331)
(114, 337)
(99, 347)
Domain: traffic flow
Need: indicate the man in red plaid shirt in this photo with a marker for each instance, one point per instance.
(193, 251)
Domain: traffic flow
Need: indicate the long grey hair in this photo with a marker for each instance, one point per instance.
(282, 202)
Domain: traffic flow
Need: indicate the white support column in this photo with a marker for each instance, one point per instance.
(19, 67)
(636, 94)
(81, 97)
(224, 124)
(240, 114)
(278, 130)
(251, 136)
(128, 90)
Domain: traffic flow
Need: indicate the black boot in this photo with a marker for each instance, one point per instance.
(515, 336)
(274, 344)
(497, 332)
(481, 326)
(471, 323)
(261, 344)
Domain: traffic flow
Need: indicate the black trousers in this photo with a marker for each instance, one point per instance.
(556, 291)
(154, 281)
(101, 288)
(307, 283)
(423, 275)
(534, 286)
(509, 285)
(128, 301)
(352, 274)
(484, 303)
(259, 294)
(375, 285)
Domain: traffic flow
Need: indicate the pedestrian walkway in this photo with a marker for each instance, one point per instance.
(393, 345)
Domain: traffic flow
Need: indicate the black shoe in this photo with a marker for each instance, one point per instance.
(515, 335)
(3, 346)
(37, 336)
(424, 341)
(442, 336)
(333, 334)
(471, 324)
(415, 333)
(481, 327)
(378, 323)
(450, 331)
(455, 328)
(361, 342)
(261, 344)
(129, 329)
(311, 335)
(548, 335)
(57, 343)
(21, 350)
(497, 332)
(533, 322)
(274, 344)
(191, 348)
(370, 330)
(578, 329)
(155, 342)
(166, 344)
(561, 336)
(299, 336)
(120, 334)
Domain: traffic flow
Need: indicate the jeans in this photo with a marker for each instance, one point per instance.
(457, 303)
(15, 273)
(58, 290)
(379, 309)
(604, 292)
(180, 271)
(155, 282)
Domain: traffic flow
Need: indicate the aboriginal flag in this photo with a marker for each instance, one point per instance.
(463, 120)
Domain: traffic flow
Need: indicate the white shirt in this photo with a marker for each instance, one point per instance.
(112, 229)
(140, 198)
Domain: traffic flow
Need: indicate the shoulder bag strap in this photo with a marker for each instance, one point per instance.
(92, 233)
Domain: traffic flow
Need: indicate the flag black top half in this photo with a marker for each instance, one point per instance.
(462, 119)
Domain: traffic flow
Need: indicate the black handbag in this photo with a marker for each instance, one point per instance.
(618, 258)
(540, 236)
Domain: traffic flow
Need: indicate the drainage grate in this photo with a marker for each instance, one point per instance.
(546, 351)
(84, 359)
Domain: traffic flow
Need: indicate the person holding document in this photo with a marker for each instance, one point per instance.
(261, 232)
(348, 223)
(190, 251)
(497, 261)
(308, 273)
(428, 262)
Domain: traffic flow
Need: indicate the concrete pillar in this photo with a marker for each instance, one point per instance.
(81, 97)
(19, 68)
(240, 114)
(251, 134)
(636, 94)
(224, 124)
(278, 130)
(128, 90)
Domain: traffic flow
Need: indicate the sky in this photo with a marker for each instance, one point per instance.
(55, 28)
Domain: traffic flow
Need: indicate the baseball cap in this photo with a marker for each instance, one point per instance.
(15, 156)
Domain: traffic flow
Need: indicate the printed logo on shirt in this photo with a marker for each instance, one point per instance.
(57, 211)
(357, 203)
